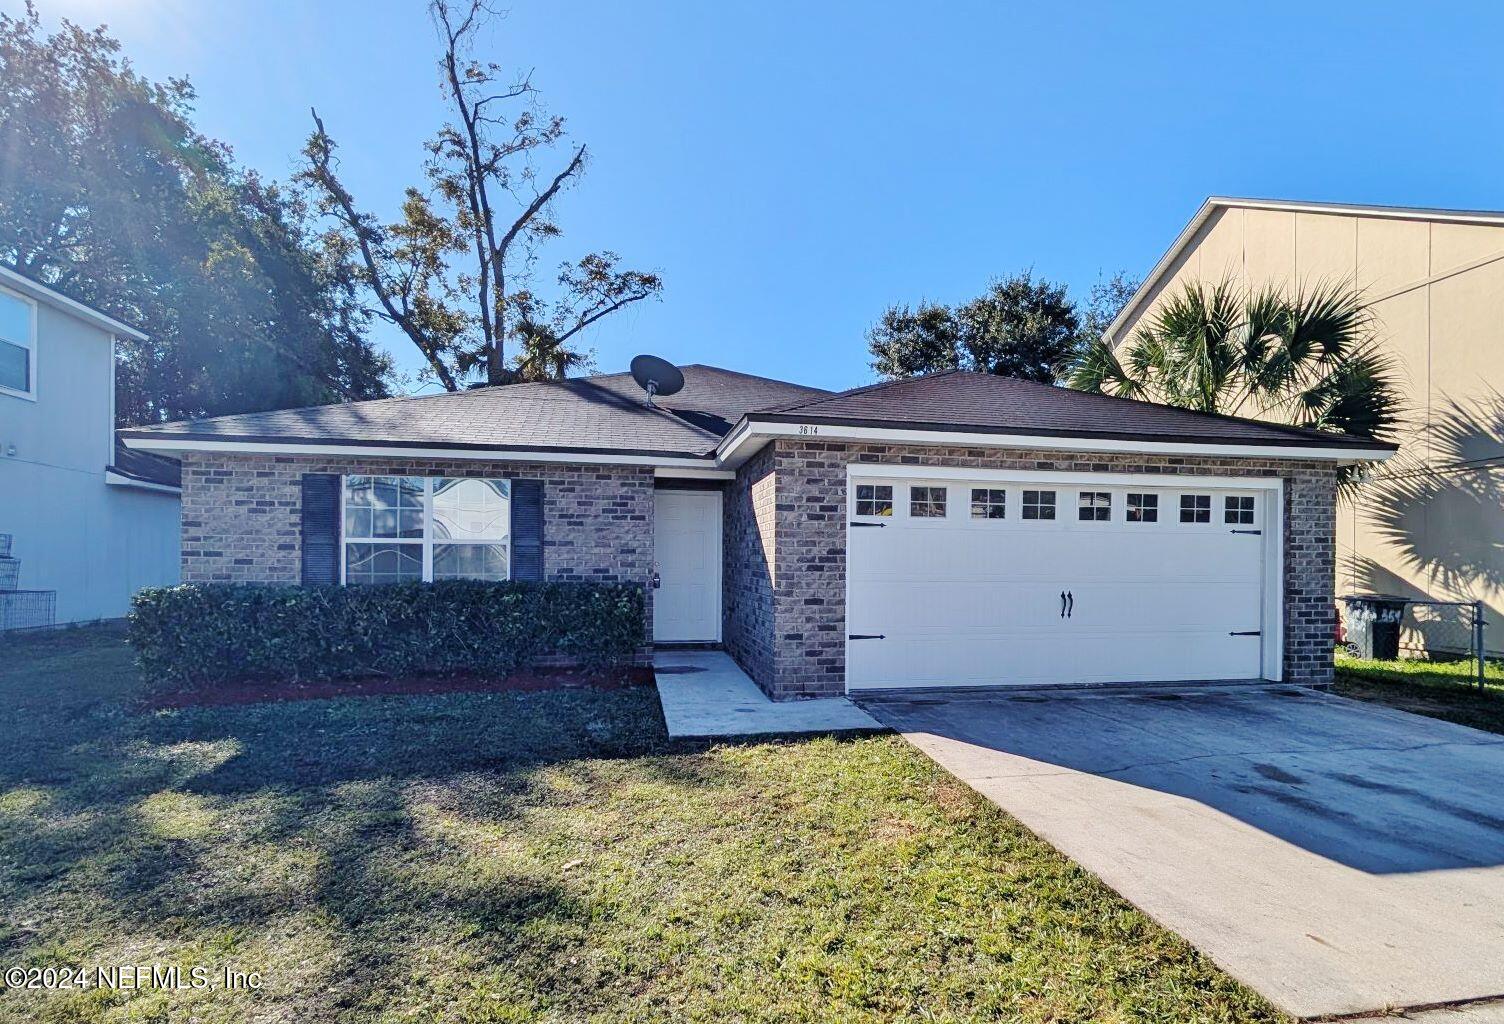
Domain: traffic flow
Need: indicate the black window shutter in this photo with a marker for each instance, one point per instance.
(527, 529)
(320, 529)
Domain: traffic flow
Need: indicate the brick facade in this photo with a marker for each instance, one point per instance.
(791, 600)
(241, 514)
(748, 579)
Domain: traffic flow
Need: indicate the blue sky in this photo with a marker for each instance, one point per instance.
(792, 168)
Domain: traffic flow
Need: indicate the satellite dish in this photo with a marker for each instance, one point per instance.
(656, 376)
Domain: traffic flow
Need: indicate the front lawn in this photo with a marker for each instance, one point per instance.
(532, 856)
(1440, 689)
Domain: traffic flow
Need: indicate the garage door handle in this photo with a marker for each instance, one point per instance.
(1253, 532)
(1070, 608)
(865, 636)
(1246, 632)
(878, 525)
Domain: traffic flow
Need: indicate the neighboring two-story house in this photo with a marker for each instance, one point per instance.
(89, 521)
(1431, 521)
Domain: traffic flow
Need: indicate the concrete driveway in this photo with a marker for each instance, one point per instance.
(1338, 857)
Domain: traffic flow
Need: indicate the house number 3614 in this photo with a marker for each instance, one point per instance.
(807, 428)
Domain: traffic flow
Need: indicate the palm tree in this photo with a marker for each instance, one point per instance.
(1308, 358)
(544, 356)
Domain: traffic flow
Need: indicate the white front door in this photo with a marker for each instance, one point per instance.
(687, 566)
(999, 582)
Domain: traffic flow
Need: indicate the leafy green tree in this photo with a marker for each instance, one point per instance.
(1307, 357)
(456, 273)
(109, 194)
(1021, 327)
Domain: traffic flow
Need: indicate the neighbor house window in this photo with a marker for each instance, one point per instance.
(401, 528)
(1095, 506)
(874, 499)
(1195, 508)
(1142, 508)
(989, 503)
(1238, 510)
(927, 502)
(1038, 505)
(17, 345)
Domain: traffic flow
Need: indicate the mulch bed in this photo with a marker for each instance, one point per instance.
(259, 691)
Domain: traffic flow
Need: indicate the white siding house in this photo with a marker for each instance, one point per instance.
(84, 522)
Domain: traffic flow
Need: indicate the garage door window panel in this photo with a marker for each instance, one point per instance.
(1094, 506)
(1038, 505)
(989, 503)
(1195, 508)
(1142, 508)
(927, 502)
(874, 500)
(1238, 510)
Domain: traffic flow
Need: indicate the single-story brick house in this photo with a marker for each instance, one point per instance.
(955, 529)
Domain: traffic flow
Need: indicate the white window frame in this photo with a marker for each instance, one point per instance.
(428, 540)
(29, 395)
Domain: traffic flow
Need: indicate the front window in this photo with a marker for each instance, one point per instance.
(402, 528)
(17, 348)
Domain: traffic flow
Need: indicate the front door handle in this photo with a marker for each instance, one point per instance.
(1062, 604)
(1070, 605)
(657, 580)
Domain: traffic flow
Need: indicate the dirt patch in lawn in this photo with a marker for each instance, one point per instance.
(261, 691)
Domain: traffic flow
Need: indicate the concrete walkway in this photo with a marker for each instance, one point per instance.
(1339, 857)
(704, 693)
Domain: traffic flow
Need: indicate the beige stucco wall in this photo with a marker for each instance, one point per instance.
(1433, 523)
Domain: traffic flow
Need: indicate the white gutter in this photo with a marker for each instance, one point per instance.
(180, 445)
(757, 434)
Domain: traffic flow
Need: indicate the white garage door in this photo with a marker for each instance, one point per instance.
(976, 583)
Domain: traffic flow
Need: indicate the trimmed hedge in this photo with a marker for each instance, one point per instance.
(198, 633)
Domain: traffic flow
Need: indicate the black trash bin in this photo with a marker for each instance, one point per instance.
(1373, 625)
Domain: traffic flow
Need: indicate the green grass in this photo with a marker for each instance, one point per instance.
(1440, 689)
(533, 857)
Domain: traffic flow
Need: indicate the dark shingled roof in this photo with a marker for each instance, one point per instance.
(607, 414)
(985, 403)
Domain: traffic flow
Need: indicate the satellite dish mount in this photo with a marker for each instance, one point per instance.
(657, 377)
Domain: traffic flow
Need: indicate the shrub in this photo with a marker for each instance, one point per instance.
(198, 633)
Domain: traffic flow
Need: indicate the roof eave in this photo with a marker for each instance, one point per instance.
(41, 293)
(183, 442)
(752, 432)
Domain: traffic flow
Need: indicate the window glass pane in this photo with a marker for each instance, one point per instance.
(470, 561)
(988, 503)
(927, 502)
(1095, 506)
(1239, 510)
(1038, 505)
(15, 367)
(384, 507)
(15, 321)
(874, 499)
(1195, 508)
(383, 563)
(471, 509)
(1142, 508)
